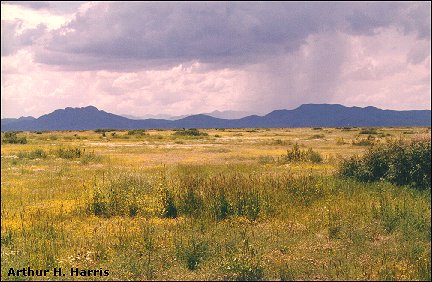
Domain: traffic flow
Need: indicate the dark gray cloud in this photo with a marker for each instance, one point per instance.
(223, 33)
(12, 41)
(36, 5)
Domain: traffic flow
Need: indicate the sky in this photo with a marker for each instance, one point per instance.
(177, 58)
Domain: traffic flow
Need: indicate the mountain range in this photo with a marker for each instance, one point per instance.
(216, 114)
(307, 115)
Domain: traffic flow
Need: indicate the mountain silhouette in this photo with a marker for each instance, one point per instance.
(308, 115)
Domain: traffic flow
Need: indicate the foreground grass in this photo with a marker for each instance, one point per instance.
(240, 219)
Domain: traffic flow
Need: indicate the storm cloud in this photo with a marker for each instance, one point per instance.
(192, 57)
(219, 33)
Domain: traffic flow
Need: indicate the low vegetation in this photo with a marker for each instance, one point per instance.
(249, 205)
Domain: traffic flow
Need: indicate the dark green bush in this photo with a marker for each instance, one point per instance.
(12, 138)
(101, 130)
(298, 155)
(190, 132)
(399, 162)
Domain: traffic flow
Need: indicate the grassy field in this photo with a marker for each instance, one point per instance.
(233, 204)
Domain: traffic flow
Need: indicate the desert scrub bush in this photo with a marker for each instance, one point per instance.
(100, 130)
(399, 162)
(12, 138)
(35, 154)
(298, 155)
(189, 132)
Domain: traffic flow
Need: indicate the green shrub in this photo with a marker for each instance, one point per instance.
(313, 156)
(12, 138)
(298, 155)
(190, 132)
(401, 163)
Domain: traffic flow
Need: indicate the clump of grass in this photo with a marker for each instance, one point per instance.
(69, 153)
(12, 138)
(168, 208)
(90, 158)
(246, 266)
(190, 132)
(340, 141)
(266, 160)
(279, 142)
(35, 154)
(53, 137)
(192, 252)
(399, 162)
(369, 141)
